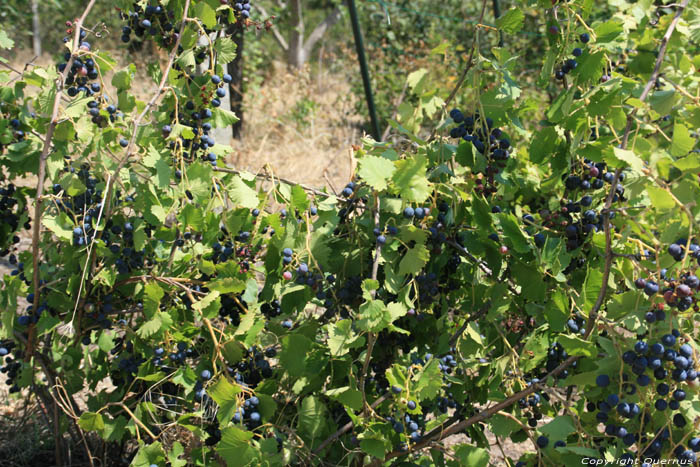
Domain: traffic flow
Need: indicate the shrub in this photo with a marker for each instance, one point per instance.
(533, 280)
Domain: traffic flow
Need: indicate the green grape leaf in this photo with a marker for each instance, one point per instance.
(223, 118)
(122, 80)
(224, 394)
(225, 50)
(311, 423)
(512, 21)
(428, 381)
(346, 396)
(376, 171)
(513, 233)
(559, 428)
(234, 447)
(152, 295)
(414, 260)
(90, 421)
(5, 41)
(60, 225)
(206, 14)
(148, 455)
(341, 338)
(576, 346)
(471, 455)
(682, 142)
(410, 179)
(159, 323)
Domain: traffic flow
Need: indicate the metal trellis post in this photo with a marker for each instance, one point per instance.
(359, 45)
(497, 14)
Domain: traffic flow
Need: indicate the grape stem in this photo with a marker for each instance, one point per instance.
(469, 64)
(280, 180)
(372, 337)
(345, 428)
(41, 178)
(107, 203)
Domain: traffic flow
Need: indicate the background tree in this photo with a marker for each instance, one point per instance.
(297, 46)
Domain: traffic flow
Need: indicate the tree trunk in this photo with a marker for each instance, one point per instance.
(235, 69)
(36, 28)
(298, 49)
(320, 31)
(297, 53)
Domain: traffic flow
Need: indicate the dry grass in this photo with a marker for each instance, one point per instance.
(25, 438)
(312, 148)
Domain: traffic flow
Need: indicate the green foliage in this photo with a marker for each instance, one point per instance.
(451, 286)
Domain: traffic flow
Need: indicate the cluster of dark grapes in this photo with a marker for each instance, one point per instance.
(418, 213)
(677, 250)
(671, 363)
(178, 356)
(677, 293)
(84, 207)
(350, 203)
(199, 392)
(254, 367)
(214, 432)
(154, 20)
(305, 277)
(81, 73)
(271, 309)
(428, 288)
(556, 354)
(17, 134)
(240, 7)
(100, 310)
(119, 238)
(228, 250)
(431, 284)
(321, 284)
(487, 140)
(531, 407)
(6, 347)
(18, 270)
(195, 116)
(571, 63)
(12, 366)
(166, 395)
(436, 230)
(577, 324)
(576, 220)
(447, 364)
(128, 362)
(232, 306)
(31, 316)
(248, 414)
(11, 211)
(98, 118)
(413, 424)
(338, 296)
(236, 16)
(350, 291)
(381, 234)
